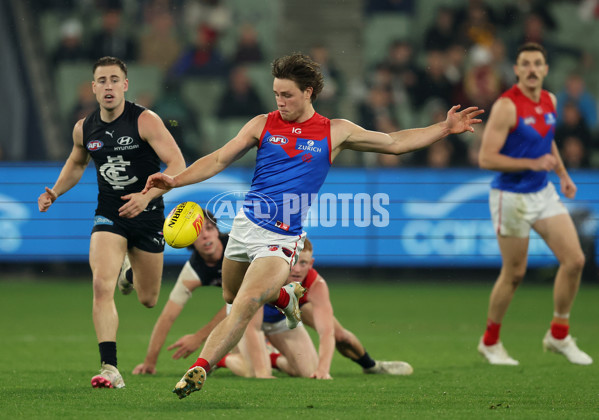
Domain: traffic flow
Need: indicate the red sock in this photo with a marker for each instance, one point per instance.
(273, 360)
(491, 336)
(559, 331)
(283, 299)
(203, 363)
(222, 362)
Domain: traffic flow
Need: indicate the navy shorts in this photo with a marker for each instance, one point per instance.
(142, 234)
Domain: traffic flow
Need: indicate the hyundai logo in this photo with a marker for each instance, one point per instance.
(124, 141)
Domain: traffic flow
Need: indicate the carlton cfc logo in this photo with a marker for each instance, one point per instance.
(278, 140)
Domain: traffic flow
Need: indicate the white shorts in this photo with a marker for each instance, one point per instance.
(248, 241)
(272, 328)
(514, 214)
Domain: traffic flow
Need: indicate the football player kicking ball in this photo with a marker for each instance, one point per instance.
(296, 147)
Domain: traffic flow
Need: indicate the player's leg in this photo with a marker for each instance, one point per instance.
(514, 252)
(252, 347)
(560, 235)
(299, 354)
(147, 272)
(262, 283)
(106, 254)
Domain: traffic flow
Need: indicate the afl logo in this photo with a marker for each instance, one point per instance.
(124, 141)
(94, 145)
(278, 140)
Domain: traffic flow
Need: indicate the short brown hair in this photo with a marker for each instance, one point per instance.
(308, 245)
(110, 61)
(531, 46)
(301, 69)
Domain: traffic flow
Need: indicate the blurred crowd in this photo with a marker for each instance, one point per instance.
(465, 56)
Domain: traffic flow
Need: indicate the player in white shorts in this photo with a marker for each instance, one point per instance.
(518, 143)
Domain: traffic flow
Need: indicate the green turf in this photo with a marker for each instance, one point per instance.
(49, 353)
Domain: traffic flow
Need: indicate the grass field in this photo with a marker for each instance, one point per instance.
(49, 353)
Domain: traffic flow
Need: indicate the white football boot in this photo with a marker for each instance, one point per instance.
(109, 377)
(496, 354)
(390, 368)
(292, 311)
(125, 286)
(567, 347)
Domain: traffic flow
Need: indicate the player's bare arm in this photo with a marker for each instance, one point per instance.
(501, 121)
(189, 343)
(323, 320)
(71, 172)
(212, 164)
(567, 186)
(152, 129)
(347, 135)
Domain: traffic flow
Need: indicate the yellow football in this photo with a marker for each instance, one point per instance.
(183, 224)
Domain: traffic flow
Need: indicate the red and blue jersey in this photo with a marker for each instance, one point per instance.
(292, 162)
(531, 138)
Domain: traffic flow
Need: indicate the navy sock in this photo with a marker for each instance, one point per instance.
(129, 275)
(365, 361)
(108, 352)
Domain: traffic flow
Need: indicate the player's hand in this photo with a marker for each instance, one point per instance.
(45, 200)
(547, 162)
(144, 369)
(458, 122)
(568, 187)
(321, 375)
(159, 180)
(186, 345)
(136, 203)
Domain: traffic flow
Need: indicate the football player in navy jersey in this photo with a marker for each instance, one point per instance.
(296, 147)
(127, 143)
(518, 143)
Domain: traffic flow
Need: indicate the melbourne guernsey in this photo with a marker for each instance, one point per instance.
(292, 162)
(531, 138)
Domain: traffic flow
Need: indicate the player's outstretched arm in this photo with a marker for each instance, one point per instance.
(347, 135)
(320, 312)
(71, 172)
(210, 165)
(161, 329)
(189, 343)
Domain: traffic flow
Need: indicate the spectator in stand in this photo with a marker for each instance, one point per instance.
(248, 48)
(574, 153)
(575, 91)
(202, 58)
(212, 14)
(386, 6)
(240, 99)
(328, 100)
(475, 25)
(573, 137)
(85, 105)
(482, 82)
(402, 64)
(159, 46)
(377, 113)
(434, 85)
(70, 48)
(111, 40)
(441, 35)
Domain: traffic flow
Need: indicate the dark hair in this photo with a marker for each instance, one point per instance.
(531, 46)
(301, 69)
(110, 61)
(209, 217)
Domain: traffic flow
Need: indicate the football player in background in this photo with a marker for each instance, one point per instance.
(127, 143)
(518, 143)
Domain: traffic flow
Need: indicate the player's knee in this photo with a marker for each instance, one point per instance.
(102, 288)
(576, 263)
(228, 296)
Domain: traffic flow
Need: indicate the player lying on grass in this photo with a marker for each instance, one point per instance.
(251, 358)
(317, 312)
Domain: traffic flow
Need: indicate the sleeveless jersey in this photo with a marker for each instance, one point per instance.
(292, 162)
(123, 161)
(530, 138)
(307, 283)
(209, 276)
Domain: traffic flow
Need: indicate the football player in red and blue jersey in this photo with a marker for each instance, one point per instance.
(518, 143)
(296, 147)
